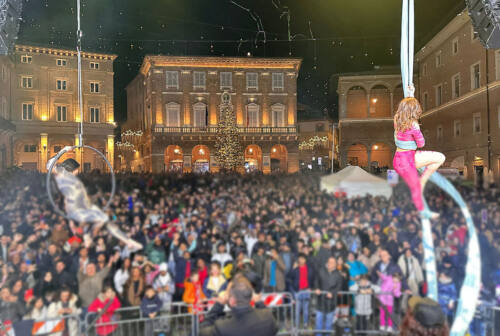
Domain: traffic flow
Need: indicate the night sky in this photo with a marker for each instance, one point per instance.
(332, 36)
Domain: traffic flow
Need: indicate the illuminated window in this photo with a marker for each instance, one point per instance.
(278, 80)
(200, 112)
(27, 82)
(26, 59)
(61, 113)
(278, 115)
(226, 80)
(252, 80)
(172, 79)
(94, 87)
(61, 62)
(95, 114)
(199, 80)
(253, 115)
(61, 85)
(27, 111)
(173, 111)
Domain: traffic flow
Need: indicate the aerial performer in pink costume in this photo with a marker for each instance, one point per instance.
(408, 159)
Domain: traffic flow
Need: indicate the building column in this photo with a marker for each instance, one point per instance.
(110, 150)
(368, 105)
(369, 155)
(343, 105)
(392, 103)
(43, 151)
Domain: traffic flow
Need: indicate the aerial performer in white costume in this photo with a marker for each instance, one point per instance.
(77, 204)
(408, 162)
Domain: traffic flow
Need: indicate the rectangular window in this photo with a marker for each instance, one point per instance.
(26, 59)
(61, 85)
(473, 33)
(426, 101)
(454, 47)
(173, 115)
(455, 83)
(5, 112)
(4, 73)
(278, 80)
(278, 114)
(94, 87)
(457, 128)
(27, 111)
(94, 65)
(439, 95)
(61, 113)
(226, 80)
(253, 115)
(475, 76)
(199, 80)
(61, 62)
(439, 59)
(440, 132)
(30, 148)
(200, 115)
(252, 80)
(424, 69)
(172, 79)
(94, 114)
(57, 149)
(27, 82)
(476, 123)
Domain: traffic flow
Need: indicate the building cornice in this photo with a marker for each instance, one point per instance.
(63, 52)
(236, 63)
(451, 28)
(465, 97)
(370, 120)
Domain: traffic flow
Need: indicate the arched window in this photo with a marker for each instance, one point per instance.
(253, 115)
(278, 115)
(173, 118)
(200, 114)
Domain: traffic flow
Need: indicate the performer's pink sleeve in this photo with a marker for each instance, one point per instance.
(418, 136)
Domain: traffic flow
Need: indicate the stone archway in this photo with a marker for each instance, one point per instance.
(279, 159)
(380, 102)
(381, 155)
(356, 102)
(253, 158)
(357, 155)
(201, 159)
(174, 159)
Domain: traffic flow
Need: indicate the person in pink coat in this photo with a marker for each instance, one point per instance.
(390, 287)
(104, 306)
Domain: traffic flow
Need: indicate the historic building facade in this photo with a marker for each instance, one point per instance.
(7, 129)
(43, 105)
(176, 102)
(367, 102)
(460, 91)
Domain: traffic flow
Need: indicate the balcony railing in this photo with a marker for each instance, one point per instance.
(213, 130)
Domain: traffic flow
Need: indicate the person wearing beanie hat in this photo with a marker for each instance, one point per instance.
(424, 317)
(77, 203)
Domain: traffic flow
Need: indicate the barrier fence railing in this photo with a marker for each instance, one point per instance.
(300, 313)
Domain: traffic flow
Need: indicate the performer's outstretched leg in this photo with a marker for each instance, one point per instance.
(429, 160)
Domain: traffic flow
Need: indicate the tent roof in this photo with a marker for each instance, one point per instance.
(355, 174)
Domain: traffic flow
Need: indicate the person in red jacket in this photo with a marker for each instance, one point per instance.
(104, 306)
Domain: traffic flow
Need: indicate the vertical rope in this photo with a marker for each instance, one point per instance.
(79, 35)
(407, 46)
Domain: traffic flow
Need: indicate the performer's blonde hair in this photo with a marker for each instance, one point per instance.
(409, 111)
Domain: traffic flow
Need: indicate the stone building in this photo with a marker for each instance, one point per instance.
(367, 102)
(460, 92)
(43, 105)
(7, 128)
(175, 101)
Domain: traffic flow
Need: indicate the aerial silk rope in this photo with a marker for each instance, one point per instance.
(469, 293)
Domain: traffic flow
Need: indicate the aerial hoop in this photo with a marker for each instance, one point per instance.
(54, 162)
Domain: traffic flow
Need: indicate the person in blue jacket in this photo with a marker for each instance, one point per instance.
(447, 295)
(356, 268)
(151, 306)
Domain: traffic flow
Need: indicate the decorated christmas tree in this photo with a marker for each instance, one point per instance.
(228, 148)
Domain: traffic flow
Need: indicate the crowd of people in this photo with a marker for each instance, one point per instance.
(198, 231)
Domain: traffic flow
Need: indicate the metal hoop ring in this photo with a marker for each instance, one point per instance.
(52, 165)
